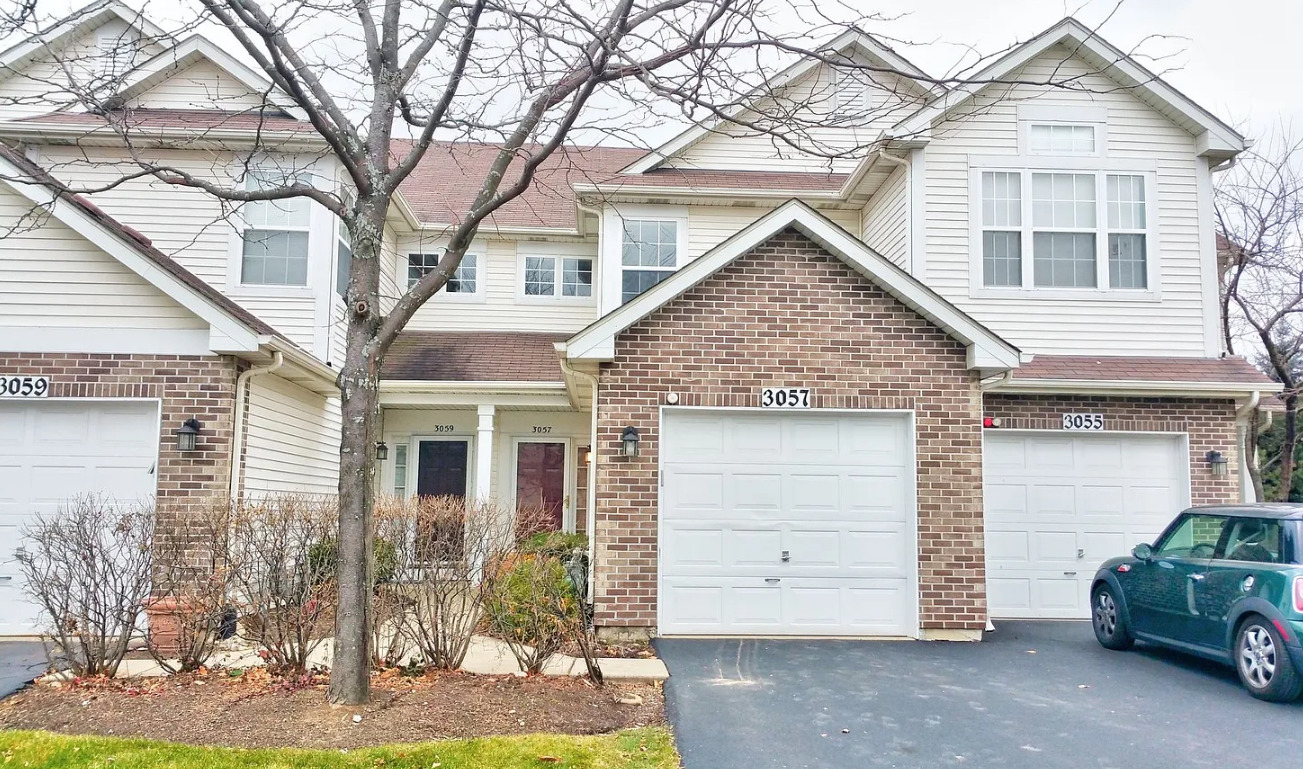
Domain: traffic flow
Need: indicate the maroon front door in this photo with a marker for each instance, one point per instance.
(541, 482)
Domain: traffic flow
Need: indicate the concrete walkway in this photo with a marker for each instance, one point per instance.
(20, 662)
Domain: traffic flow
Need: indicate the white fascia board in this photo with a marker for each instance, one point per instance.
(1133, 387)
(188, 138)
(1118, 64)
(195, 48)
(84, 18)
(597, 341)
(223, 325)
(611, 190)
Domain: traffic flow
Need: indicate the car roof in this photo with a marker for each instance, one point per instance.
(1279, 510)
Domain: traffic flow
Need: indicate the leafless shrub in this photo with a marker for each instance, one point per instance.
(189, 604)
(88, 566)
(280, 565)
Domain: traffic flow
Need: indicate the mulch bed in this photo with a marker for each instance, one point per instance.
(258, 711)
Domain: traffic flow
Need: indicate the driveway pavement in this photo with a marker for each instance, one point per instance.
(20, 662)
(1039, 695)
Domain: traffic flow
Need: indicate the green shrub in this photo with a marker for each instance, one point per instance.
(323, 555)
(557, 544)
(533, 606)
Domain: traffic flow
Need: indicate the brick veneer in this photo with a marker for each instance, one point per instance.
(789, 313)
(202, 387)
(1209, 423)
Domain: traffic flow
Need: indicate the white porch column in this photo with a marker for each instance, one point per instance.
(484, 453)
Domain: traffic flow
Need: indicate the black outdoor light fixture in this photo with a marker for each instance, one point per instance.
(382, 450)
(1218, 462)
(187, 435)
(629, 441)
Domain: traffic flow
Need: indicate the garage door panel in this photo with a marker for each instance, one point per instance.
(1100, 503)
(1008, 548)
(889, 551)
(754, 606)
(755, 494)
(753, 547)
(876, 495)
(698, 547)
(693, 605)
(1053, 500)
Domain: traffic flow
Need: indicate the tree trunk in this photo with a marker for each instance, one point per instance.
(359, 380)
(1288, 446)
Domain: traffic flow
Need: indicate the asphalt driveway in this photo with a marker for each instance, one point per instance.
(20, 662)
(1033, 694)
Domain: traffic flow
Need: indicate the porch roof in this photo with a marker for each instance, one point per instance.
(476, 356)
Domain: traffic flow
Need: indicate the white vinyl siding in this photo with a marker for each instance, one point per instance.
(886, 219)
(708, 226)
(1166, 322)
(292, 443)
(202, 85)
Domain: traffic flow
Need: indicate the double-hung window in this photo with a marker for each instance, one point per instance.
(343, 259)
(465, 280)
(1063, 229)
(649, 253)
(275, 247)
(557, 276)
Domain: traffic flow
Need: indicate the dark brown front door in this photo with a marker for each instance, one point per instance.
(441, 472)
(541, 481)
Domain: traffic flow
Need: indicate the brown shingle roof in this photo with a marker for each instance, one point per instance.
(443, 356)
(195, 119)
(1230, 370)
(138, 242)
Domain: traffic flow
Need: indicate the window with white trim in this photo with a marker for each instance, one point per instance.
(465, 280)
(567, 277)
(275, 248)
(1062, 139)
(649, 253)
(343, 258)
(1046, 230)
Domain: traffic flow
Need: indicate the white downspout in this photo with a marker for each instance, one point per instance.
(237, 432)
(1247, 492)
(590, 514)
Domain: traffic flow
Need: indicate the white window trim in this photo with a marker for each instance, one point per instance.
(556, 295)
(1077, 165)
(478, 295)
(320, 223)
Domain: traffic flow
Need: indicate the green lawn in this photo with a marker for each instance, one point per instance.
(633, 749)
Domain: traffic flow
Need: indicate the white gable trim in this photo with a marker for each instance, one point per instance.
(848, 39)
(197, 48)
(1215, 136)
(236, 335)
(986, 350)
(90, 17)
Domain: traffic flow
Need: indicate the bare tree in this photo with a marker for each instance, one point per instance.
(1260, 252)
(384, 83)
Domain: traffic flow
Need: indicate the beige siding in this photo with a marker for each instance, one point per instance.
(810, 99)
(52, 277)
(1099, 324)
(886, 219)
(292, 439)
(500, 305)
(708, 226)
(202, 85)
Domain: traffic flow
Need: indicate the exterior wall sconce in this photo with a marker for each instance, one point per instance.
(1218, 463)
(187, 435)
(382, 450)
(629, 442)
(586, 455)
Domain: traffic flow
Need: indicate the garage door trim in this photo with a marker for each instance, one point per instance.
(911, 463)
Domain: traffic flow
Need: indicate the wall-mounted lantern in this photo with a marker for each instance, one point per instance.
(382, 450)
(586, 455)
(1218, 463)
(187, 435)
(629, 442)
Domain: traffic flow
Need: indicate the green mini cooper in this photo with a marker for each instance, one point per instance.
(1222, 582)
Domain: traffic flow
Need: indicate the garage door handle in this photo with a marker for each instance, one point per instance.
(772, 580)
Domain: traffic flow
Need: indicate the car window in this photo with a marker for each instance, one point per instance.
(1252, 539)
(1195, 537)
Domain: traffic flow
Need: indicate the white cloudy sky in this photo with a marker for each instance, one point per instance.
(1242, 59)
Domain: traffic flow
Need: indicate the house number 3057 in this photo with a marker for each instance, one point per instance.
(785, 398)
(542, 429)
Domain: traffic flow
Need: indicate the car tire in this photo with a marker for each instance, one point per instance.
(1108, 620)
(1263, 662)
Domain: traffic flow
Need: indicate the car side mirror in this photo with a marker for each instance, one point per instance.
(1142, 552)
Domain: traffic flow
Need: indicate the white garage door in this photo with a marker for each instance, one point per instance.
(1059, 504)
(787, 524)
(53, 450)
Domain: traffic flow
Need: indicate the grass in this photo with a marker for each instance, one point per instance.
(632, 749)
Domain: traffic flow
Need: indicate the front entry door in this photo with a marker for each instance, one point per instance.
(441, 472)
(541, 482)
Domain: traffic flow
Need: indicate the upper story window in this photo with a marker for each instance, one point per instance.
(275, 248)
(649, 253)
(1061, 139)
(465, 280)
(1056, 219)
(343, 259)
(557, 276)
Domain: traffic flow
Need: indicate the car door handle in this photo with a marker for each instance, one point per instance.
(1197, 577)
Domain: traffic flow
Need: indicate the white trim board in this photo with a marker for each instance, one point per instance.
(986, 350)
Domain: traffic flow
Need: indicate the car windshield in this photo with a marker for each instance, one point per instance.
(1196, 536)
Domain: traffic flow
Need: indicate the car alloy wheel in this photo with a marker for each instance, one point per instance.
(1257, 656)
(1106, 614)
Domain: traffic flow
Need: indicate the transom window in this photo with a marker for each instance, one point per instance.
(1062, 139)
(465, 279)
(1056, 218)
(558, 276)
(275, 248)
(649, 253)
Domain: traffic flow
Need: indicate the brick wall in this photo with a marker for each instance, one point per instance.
(1209, 423)
(202, 387)
(792, 314)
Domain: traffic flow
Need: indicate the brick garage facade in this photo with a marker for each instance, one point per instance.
(789, 313)
(1209, 423)
(202, 387)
